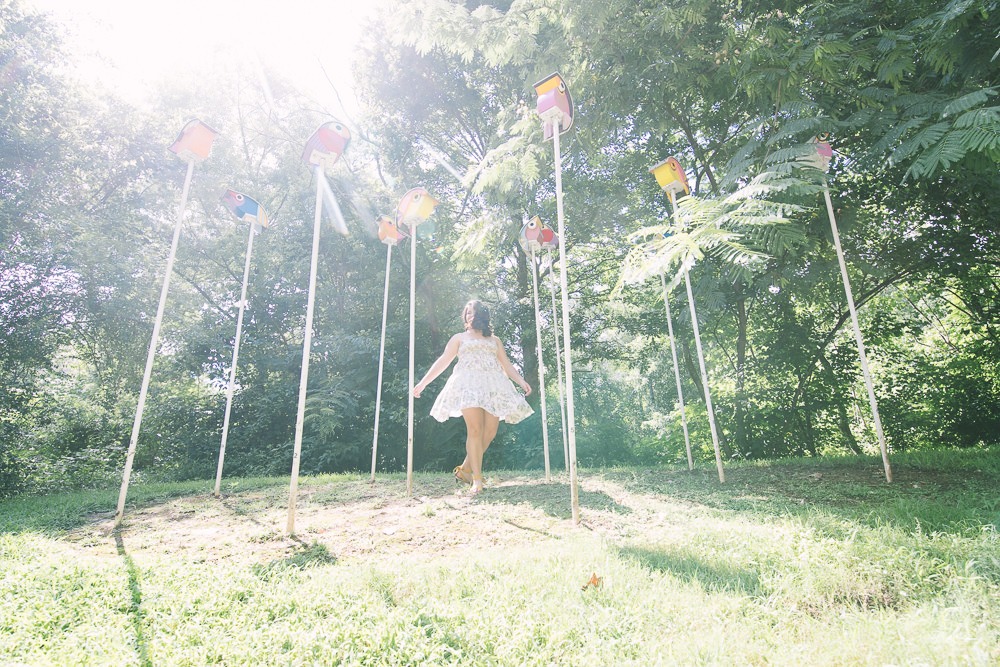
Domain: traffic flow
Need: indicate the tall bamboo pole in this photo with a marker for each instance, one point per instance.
(541, 364)
(381, 356)
(409, 394)
(677, 370)
(701, 358)
(153, 342)
(857, 333)
(232, 370)
(568, 361)
(559, 373)
(293, 490)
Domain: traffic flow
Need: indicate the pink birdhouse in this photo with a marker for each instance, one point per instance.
(326, 144)
(671, 177)
(823, 155)
(530, 236)
(194, 143)
(555, 104)
(388, 232)
(536, 235)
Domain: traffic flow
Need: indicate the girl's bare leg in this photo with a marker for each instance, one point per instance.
(491, 424)
(475, 419)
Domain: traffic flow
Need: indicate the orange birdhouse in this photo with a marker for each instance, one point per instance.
(388, 232)
(194, 143)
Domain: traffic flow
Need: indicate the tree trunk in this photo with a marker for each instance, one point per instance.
(740, 413)
(843, 421)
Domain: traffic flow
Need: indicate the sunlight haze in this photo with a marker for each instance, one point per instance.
(131, 47)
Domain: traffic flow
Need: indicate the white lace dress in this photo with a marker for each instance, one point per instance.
(478, 381)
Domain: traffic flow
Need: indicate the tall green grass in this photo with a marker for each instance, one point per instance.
(777, 567)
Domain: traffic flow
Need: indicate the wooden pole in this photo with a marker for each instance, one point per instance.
(857, 334)
(153, 342)
(677, 371)
(381, 356)
(701, 359)
(293, 491)
(232, 371)
(541, 365)
(559, 373)
(409, 394)
(564, 288)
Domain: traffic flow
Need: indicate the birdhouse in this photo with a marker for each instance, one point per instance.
(536, 235)
(388, 232)
(194, 143)
(671, 177)
(326, 144)
(555, 104)
(822, 155)
(245, 208)
(415, 207)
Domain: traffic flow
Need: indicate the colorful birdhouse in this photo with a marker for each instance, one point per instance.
(536, 235)
(820, 159)
(529, 238)
(388, 232)
(245, 208)
(555, 104)
(194, 143)
(326, 144)
(414, 208)
(671, 177)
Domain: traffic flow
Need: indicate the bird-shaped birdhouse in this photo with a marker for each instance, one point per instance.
(822, 155)
(671, 177)
(194, 143)
(529, 236)
(389, 232)
(326, 144)
(414, 209)
(536, 235)
(555, 104)
(245, 208)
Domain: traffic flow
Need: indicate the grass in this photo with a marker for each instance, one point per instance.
(800, 562)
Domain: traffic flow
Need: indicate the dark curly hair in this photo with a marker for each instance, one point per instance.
(480, 317)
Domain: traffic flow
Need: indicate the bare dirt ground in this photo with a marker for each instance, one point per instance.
(355, 518)
(350, 518)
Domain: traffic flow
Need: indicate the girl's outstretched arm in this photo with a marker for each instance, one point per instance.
(438, 367)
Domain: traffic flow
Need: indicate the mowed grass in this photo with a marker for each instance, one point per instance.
(798, 562)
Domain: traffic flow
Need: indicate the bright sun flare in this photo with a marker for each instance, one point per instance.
(131, 46)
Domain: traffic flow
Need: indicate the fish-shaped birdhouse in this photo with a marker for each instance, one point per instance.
(414, 208)
(245, 208)
(555, 104)
(388, 232)
(326, 144)
(671, 177)
(194, 143)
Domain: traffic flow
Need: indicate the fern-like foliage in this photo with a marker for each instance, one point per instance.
(741, 230)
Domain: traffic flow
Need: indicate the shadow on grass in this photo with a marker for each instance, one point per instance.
(953, 498)
(553, 499)
(135, 611)
(712, 577)
(55, 513)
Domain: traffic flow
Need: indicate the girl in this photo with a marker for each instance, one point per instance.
(479, 390)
